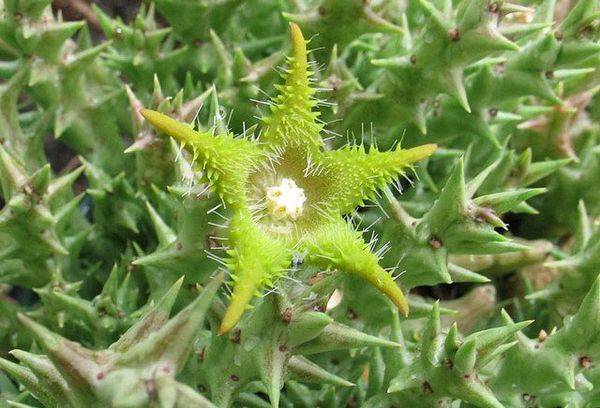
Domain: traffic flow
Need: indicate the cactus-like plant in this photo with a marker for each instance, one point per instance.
(148, 157)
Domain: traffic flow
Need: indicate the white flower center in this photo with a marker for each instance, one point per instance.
(285, 200)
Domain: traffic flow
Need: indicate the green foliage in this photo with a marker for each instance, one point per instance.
(199, 209)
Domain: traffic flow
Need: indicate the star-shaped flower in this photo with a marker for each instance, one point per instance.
(287, 193)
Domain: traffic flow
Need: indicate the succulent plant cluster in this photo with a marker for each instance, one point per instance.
(310, 203)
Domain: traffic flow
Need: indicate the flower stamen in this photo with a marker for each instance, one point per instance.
(285, 200)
